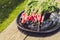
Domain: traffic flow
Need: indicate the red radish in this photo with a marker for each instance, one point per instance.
(35, 17)
(23, 21)
(24, 18)
(28, 18)
(31, 18)
(38, 18)
(41, 18)
(24, 15)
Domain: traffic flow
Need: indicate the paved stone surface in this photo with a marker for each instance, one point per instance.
(12, 33)
(53, 37)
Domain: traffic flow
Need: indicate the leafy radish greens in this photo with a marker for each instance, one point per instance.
(38, 7)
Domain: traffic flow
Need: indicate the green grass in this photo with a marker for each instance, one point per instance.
(6, 7)
(9, 12)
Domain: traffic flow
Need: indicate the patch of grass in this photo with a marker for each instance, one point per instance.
(6, 6)
(8, 14)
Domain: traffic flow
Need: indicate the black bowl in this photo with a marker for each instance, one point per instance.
(52, 29)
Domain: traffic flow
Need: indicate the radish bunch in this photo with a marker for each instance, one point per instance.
(33, 17)
(34, 10)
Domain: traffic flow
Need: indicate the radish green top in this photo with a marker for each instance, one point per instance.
(38, 6)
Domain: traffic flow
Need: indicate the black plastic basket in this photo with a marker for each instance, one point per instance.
(31, 32)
